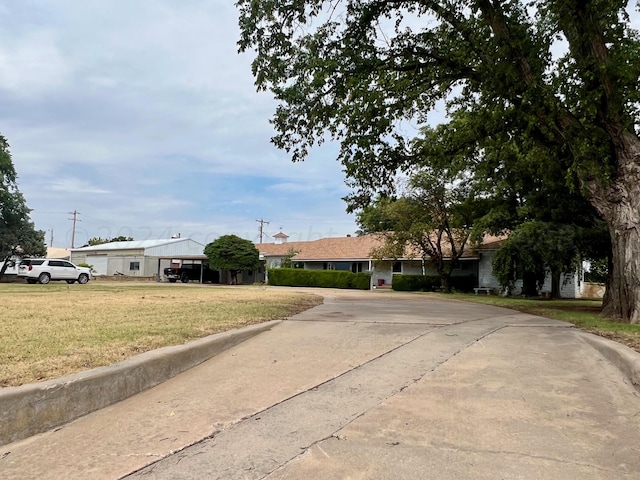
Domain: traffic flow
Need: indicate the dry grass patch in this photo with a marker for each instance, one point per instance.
(52, 330)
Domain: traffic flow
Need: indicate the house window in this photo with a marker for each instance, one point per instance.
(134, 266)
(466, 266)
(397, 267)
(356, 267)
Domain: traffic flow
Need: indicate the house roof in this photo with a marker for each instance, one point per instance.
(347, 248)
(58, 252)
(133, 245)
(334, 248)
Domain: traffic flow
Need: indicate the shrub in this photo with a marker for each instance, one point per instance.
(463, 283)
(294, 277)
(429, 283)
(415, 283)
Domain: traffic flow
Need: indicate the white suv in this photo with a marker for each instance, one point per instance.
(43, 270)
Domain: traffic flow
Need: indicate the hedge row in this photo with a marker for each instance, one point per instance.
(429, 283)
(295, 277)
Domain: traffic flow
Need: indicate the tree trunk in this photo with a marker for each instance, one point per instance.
(619, 205)
(624, 278)
(445, 283)
(555, 284)
(529, 284)
(5, 265)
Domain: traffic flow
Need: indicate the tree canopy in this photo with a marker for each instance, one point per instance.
(552, 85)
(232, 253)
(535, 248)
(18, 235)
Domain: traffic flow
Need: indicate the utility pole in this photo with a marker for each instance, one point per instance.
(51, 237)
(75, 219)
(261, 228)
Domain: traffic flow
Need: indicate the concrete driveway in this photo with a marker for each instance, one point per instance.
(370, 385)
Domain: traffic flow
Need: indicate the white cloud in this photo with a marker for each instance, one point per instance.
(142, 116)
(32, 66)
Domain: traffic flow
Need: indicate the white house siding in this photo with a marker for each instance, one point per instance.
(485, 272)
(571, 285)
(381, 272)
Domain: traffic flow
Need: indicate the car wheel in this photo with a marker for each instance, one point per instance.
(31, 280)
(83, 278)
(44, 278)
(184, 278)
(71, 281)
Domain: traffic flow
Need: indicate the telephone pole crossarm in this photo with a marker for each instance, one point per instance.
(262, 223)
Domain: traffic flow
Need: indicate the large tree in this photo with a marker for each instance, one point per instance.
(560, 74)
(234, 254)
(18, 235)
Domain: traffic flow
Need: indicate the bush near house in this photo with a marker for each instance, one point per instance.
(429, 283)
(294, 277)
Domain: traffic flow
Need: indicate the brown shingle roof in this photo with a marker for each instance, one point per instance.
(342, 248)
(337, 248)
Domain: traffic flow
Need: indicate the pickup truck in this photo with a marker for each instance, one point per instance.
(191, 271)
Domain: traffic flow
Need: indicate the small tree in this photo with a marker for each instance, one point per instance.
(433, 219)
(18, 235)
(286, 261)
(232, 253)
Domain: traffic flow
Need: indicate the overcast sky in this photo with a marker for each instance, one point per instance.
(142, 116)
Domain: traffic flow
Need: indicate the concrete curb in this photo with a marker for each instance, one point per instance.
(38, 407)
(624, 358)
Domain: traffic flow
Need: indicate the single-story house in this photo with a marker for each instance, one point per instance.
(354, 254)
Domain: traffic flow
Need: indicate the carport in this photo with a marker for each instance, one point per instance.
(199, 260)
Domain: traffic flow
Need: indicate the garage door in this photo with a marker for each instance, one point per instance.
(99, 263)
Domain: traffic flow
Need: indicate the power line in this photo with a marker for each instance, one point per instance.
(262, 223)
(75, 219)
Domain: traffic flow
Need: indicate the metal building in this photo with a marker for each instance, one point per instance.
(144, 258)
